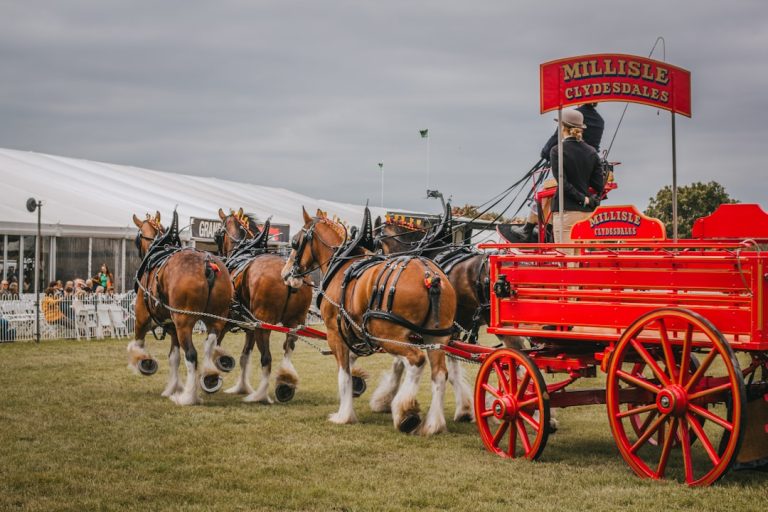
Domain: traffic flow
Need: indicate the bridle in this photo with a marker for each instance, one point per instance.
(222, 232)
(141, 236)
(299, 246)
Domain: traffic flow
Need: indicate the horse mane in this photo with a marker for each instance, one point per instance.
(335, 224)
(253, 222)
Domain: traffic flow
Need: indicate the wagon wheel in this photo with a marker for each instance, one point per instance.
(641, 421)
(678, 397)
(512, 405)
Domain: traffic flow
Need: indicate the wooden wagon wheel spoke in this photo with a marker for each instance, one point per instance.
(701, 370)
(686, 445)
(502, 379)
(685, 356)
(651, 362)
(523, 386)
(523, 436)
(527, 403)
(648, 433)
(513, 384)
(696, 426)
(641, 383)
(529, 419)
(500, 433)
(512, 442)
(711, 417)
(666, 449)
(709, 391)
(666, 347)
(636, 410)
(491, 390)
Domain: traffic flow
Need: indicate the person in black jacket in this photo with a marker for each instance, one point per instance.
(593, 133)
(581, 171)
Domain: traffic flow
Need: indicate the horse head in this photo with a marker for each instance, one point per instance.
(149, 229)
(237, 227)
(313, 247)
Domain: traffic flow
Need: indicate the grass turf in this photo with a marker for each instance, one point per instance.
(78, 431)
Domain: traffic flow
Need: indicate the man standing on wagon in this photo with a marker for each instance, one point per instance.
(581, 170)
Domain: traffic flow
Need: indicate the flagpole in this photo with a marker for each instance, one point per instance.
(428, 169)
(381, 168)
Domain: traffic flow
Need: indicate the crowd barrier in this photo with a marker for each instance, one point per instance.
(91, 317)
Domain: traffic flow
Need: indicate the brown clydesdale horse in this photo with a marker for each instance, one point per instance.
(469, 275)
(187, 280)
(260, 288)
(422, 308)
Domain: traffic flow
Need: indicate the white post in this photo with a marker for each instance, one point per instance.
(560, 188)
(20, 265)
(122, 266)
(90, 257)
(5, 256)
(38, 241)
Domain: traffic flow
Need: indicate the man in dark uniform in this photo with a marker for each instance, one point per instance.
(581, 170)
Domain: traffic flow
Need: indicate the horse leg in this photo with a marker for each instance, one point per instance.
(243, 386)
(174, 385)
(287, 379)
(405, 407)
(435, 422)
(262, 342)
(189, 395)
(136, 350)
(461, 390)
(346, 412)
(381, 400)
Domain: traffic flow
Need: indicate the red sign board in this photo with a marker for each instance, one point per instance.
(612, 223)
(615, 77)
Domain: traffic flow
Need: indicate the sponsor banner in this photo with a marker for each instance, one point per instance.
(611, 223)
(615, 77)
(204, 230)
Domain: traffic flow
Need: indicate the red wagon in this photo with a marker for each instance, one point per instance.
(679, 329)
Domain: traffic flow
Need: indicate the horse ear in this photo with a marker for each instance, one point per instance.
(240, 213)
(319, 213)
(137, 221)
(222, 215)
(307, 218)
(157, 216)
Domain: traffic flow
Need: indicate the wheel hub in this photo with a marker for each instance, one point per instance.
(672, 400)
(504, 407)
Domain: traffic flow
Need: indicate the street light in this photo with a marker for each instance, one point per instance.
(32, 205)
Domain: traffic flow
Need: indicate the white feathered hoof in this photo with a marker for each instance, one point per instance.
(225, 363)
(409, 423)
(211, 382)
(147, 366)
(284, 392)
(358, 386)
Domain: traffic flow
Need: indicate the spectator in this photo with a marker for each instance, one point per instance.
(13, 291)
(4, 291)
(53, 312)
(104, 278)
(69, 289)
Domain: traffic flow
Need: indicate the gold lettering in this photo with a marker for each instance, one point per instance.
(655, 94)
(571, 71)
(569, 93)
(585, 88)
(622, 70)
(647, 75)
(635, 90)
(606, 88)
(633, 68)
(616, 88)
(664, 96)
(626, 88)
(593, 69)
(662, 75)
(608, 69)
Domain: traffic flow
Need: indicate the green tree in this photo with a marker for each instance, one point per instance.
(693, 201)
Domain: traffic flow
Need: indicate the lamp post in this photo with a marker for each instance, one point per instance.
(381, 168)
(32, 205)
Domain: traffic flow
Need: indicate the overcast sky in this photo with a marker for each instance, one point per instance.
(310, 96)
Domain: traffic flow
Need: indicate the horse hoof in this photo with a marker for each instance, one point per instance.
(284, 393)
(148, 366)
(464, 418)
(225, 363)
(358, 386)
(409, 423)
(211, 383)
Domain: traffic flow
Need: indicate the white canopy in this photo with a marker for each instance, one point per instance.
(85, 198)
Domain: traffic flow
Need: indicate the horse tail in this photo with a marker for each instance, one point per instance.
(433, 283)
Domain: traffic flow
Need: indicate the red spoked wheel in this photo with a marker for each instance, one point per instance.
(512, 405)
(671, 403)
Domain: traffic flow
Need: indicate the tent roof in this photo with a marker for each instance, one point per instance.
(82, 196)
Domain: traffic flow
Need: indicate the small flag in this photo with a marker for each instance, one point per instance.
(424, 133)
(381, 165)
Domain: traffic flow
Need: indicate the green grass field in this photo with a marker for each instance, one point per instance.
(78, 431)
